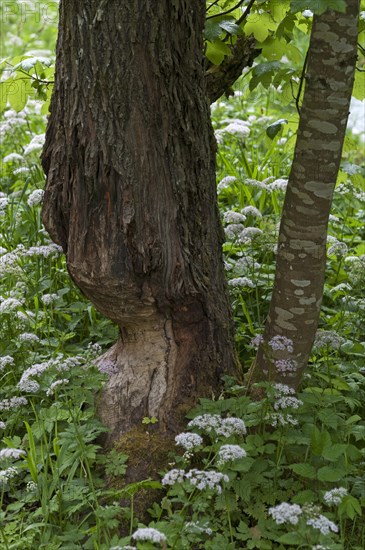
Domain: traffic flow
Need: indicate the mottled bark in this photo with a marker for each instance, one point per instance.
(131, 198)
(301, 257)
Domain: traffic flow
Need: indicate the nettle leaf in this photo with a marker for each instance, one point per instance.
(335, 451)
(319, 441)
(330, 474)
(304, 470)
(275, 127)
(318, 6)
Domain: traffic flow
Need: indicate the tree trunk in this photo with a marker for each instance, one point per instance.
(131, 198)
(301, 257)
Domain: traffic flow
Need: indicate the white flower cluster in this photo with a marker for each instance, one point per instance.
(11, 453)
(279, 419)
(233, 217)
(48, 299)
(188, 440)
(226, 182)
(6, 475)
(233, 230)
(241, 282)
(287, 402)
(278, 185)
(148, 533)
(337, 249)
(221, 426)
(283, 389)
(36, 197)
(45, 250)
(249, 233)
(106, 366)
(286, 513)
(12, 157)
(335, 496)
(209, 479)
(230, 452)
(286, 366)
(9, 304)
(323, 524)
(55, 385)
(31, 386)
(251, 211)
(2, 425)
(28, 337)
(194, 526)
(173, 476)
(6, 360)
(35, 144)
(328, 338)
(257, 340)
(13, 403)
(281, 343)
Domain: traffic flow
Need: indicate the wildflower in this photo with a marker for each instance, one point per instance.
(328, 338)
(148, 533)
(173, 476)
(35, 144)
(307, 14)
(255, 183)
(231, 426)
(55, 385)
(241, 282)
(257, 340)
(31, 487)
(2, 425)
(206, 422)
(28, 337)
(48, 299)
(226, 182)
(28, 386)
(286, 513)
(232, 230)
(233, 217)
(230, 452)
(94, 348)
(209, 479)
(338, 249)
(335, 496)
(12, 157)
(278, 185)
(12, 403)
(323, 524)
(278, 419)
(286, 402)
(194, 526)
(286, 365)
(283, 389)
(9, 305)
(107, 367)
(251, 211)
(249, 233)
(5, 361)
(36, 197)
(11, 453)
(188, 440)
(235, 127)
(6, 475)
(281, 343)
(247, 262)
(45, 250)
(21, 170)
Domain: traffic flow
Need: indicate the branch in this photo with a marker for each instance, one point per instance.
(219, 79)
(226, 12)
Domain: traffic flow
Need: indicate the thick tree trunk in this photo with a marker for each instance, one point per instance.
(301, 257)
(131, 197)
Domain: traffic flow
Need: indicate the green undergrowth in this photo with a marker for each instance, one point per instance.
(239, 460)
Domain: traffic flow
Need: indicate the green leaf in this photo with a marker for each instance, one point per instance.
(230, 27)
(319, 440)
(17, 95)
(259, 25)
(350, 507)
(330, 474)
(304, 470)
(333, 452)
(291, 538)
(217, 51)
(275, 127)
(329, 418)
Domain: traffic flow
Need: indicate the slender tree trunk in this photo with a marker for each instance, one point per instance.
(301, 257)
(131, 198)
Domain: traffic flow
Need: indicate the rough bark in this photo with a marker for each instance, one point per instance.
(301, 257)
(131, 198)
